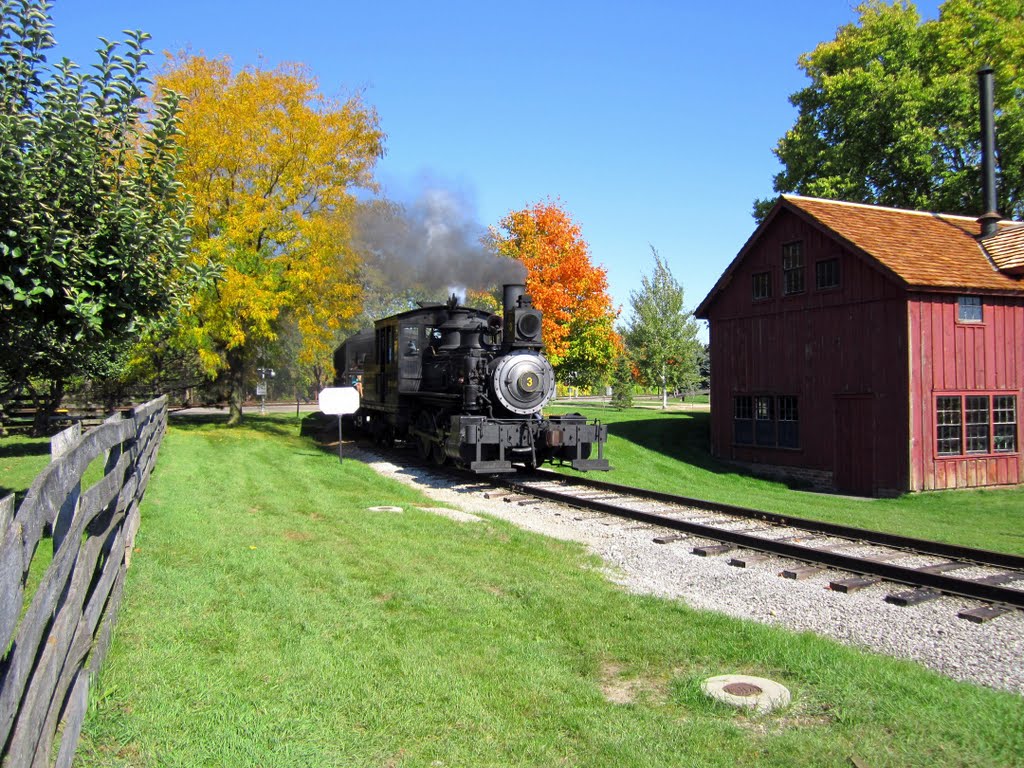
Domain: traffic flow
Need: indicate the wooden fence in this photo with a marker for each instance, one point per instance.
(56, 644)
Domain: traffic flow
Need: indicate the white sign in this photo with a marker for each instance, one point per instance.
(335, 401)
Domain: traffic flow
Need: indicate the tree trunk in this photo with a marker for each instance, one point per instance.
(46, 404)
(664, 389)
(236, 384)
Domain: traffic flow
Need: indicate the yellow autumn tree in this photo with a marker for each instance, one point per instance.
(271, 165)
(579, 334)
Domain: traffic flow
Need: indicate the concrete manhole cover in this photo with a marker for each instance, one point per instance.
(756, 693)
(742, 689)
(384, 508)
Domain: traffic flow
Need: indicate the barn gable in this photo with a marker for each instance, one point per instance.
(920, 250)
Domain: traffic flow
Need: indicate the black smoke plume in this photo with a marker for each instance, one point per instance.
(430, 247)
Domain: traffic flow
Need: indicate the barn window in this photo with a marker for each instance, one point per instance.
(764, 420)
(793, 268)
(762, 285)
(743, 420)
(947, 416)
(969, 309)
(976, 420)
(975, 424)
(789, 422)
(1004, 423)
(827, 274)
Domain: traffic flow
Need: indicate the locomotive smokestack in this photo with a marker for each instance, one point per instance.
(989, 220)
(511, 293)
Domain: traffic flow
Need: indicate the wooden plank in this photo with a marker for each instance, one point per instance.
(89, 617)
(984, 613)
(713, 549)
(6, 513)
(745, 561)
(801, 572)
(669, 538)
(913, 596)
(41, 687)
(12, 586)
(852, 585)
(60, 444)
(71, 615)
(51, 487)
(43, 606)
(74, 716)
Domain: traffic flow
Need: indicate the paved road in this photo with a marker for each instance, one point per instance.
(252, 408)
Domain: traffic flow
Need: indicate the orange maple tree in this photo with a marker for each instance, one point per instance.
(579, 334)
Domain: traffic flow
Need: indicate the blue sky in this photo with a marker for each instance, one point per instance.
(652, 123)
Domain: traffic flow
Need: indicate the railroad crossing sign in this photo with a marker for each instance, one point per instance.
(338, 401)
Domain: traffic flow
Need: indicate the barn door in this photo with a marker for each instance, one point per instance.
(854, 467)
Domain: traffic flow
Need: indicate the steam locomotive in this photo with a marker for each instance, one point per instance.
(466, 385)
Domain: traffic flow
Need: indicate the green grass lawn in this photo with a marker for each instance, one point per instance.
(271, 619)
(21, 459)
(668, 451)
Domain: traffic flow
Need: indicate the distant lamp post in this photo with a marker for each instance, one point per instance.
(261, 387)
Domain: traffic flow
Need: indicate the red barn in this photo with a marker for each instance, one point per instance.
(871, 350)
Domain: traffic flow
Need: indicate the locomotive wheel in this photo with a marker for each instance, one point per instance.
(437, 454)
(422, 447)
(384, 435)
(424, 427)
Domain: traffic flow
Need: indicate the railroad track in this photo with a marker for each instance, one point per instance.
(931, 569)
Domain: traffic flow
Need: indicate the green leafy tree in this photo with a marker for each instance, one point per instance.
(622, 382)
(662, 335)
(890, 116)
(704, 366)
(92, 221)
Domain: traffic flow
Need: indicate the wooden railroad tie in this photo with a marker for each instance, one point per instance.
(984, 613)
(713, 549)
(852, 585)
(668, 539)
(745, 561)
(801, 572)
(913, 596)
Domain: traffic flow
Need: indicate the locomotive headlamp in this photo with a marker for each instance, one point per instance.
(528, 324)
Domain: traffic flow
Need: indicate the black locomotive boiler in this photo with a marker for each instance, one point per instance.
(466, 385)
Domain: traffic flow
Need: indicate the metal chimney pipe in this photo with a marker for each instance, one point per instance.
(990, 218)
(511, 293)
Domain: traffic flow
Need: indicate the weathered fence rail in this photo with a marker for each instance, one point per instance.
(56, 644)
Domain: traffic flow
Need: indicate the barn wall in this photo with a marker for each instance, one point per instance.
(841, 351)
(963, 358)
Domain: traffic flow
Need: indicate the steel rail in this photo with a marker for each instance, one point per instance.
(923, 546)
(947, 584)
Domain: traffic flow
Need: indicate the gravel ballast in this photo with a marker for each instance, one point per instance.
(990, 654)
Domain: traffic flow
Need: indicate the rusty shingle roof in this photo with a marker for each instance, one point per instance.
(924, 250)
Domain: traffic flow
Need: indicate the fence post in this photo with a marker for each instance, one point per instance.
(6, 513)
(60, 444)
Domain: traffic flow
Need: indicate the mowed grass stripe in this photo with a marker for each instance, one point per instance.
(271, 620)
